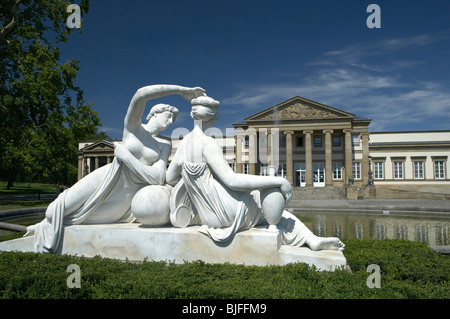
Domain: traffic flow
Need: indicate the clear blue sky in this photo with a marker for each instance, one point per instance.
(251, 55)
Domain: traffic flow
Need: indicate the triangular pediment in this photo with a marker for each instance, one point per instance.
(299, 108)
(99, 146)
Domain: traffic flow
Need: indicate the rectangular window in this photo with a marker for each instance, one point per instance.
(418, 170)
(246, 141)
(356, 170)
(378, 170)
(336, 140)
(317, 141)
(300, 141)
(355, 140)
(439, 170)
(245, 168)
(398, 170)
(337, 170)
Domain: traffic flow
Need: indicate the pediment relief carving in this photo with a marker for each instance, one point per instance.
(100, 147)
(296, 111)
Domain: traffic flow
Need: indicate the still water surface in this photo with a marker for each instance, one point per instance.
(433, 229)
(428, 228)
(26, 221)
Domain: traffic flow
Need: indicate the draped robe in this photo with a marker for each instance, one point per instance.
(224, 211)
(109, 203)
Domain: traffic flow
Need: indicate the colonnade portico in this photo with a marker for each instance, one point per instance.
(328, 171)
(308, 143)
(85, 165)
(94, 155)
(254, 160)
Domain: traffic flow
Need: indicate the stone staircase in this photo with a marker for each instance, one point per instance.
(319, 193)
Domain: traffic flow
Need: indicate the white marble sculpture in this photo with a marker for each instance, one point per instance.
(227, 202)
(199, 180)
(105, 195)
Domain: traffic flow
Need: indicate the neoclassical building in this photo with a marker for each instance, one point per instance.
(311, 144)
(92, 155)
(315, 145)
(405, 163)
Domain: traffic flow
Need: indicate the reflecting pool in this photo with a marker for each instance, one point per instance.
(432, 229)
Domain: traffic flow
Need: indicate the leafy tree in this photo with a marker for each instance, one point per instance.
(42, 111)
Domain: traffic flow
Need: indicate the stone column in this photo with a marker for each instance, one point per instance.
(348, 155)
(80, 167)
(269, 148)
(96, 162)
(289, 161)
(275, 147)
(365, 158)
(86, 166)
(308, 158)
(328, 159)
(238, 163)
(252, 154)
(263, 148)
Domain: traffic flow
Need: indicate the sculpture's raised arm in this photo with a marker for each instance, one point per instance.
(136, 108)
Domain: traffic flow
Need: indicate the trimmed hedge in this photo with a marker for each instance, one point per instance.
(408, 270)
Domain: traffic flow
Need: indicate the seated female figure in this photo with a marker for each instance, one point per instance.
(228, 202)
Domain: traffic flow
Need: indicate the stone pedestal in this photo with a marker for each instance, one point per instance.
(136, 242)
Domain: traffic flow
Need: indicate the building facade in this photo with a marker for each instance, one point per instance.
(411, 162)
(315, 145)
(92, 155)
(311, 144)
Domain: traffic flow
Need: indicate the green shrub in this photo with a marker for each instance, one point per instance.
(408, 270)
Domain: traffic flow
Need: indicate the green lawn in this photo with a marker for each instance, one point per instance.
(32, 190)
(27, 188)
(408, 270)
(16, 204)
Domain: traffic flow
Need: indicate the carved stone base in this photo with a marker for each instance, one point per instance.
(136, 242)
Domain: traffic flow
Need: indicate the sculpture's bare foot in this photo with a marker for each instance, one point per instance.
(325, 243)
